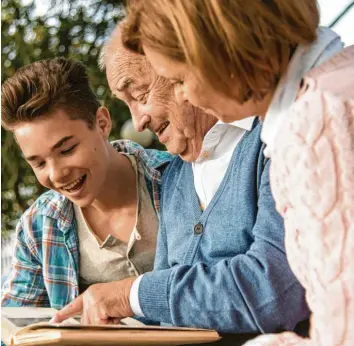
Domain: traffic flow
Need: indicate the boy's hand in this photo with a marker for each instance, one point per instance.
(104, 303)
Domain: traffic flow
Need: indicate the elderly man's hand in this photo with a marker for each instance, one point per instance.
(104, 303)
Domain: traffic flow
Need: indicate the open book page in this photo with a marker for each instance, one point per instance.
(22, 317)
(14, 319)
(18, 329)
(111, 335)
(7, 330)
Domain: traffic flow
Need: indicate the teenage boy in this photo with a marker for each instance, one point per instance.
(98, 221)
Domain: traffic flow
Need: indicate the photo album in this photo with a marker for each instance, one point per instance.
(31, 326)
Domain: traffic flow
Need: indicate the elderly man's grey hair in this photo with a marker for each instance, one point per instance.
(114, 50)
(102, 58)
(109, 48)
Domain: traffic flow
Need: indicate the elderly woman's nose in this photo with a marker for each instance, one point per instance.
(140, 121)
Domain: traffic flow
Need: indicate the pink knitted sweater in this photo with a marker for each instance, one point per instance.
(312, 179)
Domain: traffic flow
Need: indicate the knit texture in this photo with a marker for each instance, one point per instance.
(312, 179)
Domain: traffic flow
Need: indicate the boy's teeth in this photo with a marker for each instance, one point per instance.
(74, 183)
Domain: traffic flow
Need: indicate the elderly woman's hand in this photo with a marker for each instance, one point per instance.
(104, 303)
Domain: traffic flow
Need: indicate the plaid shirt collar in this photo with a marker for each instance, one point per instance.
(153, 163)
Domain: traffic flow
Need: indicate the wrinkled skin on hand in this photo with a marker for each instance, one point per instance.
(103, 303)
(312, 178)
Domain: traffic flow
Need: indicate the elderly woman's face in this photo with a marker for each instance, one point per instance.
(188, 85)
(151, 100)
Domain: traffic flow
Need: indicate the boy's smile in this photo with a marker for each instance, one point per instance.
(75, 185)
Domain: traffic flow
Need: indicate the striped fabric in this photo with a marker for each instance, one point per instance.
(45, 265)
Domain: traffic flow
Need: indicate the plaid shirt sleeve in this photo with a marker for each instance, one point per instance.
(25, 285)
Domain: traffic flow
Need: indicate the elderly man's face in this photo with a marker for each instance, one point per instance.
(151, 100)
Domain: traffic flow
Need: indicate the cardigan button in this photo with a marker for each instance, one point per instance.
(198, 228)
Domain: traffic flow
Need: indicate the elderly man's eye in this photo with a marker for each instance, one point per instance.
(176, 82)
(142, 97)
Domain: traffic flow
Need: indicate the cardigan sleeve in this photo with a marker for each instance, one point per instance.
(252, 292)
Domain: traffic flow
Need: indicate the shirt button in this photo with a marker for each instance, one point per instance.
(137, 236)
(198, 228)
(205, 155)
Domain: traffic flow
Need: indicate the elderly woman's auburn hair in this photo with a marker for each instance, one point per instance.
(248, 41)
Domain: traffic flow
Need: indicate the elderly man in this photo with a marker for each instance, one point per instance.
(151, 102)
(220, 259)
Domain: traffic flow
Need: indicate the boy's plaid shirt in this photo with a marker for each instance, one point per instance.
(45, 266)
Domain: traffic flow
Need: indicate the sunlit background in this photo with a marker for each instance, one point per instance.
(330, 9)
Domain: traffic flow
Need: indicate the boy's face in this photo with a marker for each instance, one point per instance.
(67, 156)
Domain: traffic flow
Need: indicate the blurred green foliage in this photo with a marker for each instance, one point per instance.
(70, 28)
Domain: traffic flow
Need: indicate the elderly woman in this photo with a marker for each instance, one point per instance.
(238, 59)
(323, 151)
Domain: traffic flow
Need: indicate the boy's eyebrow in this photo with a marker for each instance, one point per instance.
(55, 146)
(61, 142)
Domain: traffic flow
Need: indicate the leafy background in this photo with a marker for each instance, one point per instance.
(77, 29)
(71, 28)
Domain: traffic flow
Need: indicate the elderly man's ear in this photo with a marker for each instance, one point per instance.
(103, 121)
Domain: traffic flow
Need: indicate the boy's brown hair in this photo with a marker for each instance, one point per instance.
(38, 89)
(227, 41)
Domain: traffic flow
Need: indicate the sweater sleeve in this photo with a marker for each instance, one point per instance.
(161, 256)
(251, 292)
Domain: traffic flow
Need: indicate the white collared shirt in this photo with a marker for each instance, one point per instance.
(218, 146)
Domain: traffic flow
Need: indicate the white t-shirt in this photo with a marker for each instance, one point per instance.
(113, 259)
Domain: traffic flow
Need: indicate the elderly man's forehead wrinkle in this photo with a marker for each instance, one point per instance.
(122, 69)
(124, 55)
(123, 65)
